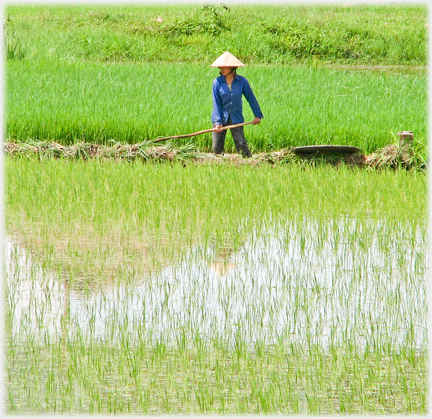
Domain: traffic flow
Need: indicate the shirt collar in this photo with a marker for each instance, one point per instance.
(236, 77)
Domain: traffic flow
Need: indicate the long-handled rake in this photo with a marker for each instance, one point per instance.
(200, 132)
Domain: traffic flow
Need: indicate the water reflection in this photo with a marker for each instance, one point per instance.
(223, 259)
(309, 283)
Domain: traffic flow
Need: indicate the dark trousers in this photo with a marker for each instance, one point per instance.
(238, 137)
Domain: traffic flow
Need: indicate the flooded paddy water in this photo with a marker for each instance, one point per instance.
(311, 283)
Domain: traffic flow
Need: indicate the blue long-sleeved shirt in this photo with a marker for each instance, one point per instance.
(228, 102)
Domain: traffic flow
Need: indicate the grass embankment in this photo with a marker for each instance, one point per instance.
(67, 79)
(104, 228)
(358, 34)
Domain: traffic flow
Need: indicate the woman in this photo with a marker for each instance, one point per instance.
(228, 90)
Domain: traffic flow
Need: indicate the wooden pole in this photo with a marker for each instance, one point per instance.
(200, 132)
(406, 139)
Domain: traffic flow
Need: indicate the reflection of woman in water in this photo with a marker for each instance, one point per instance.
(224, 255)
(222, 261)
(227, 93)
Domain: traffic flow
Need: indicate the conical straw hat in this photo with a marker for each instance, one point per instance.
(227, 60)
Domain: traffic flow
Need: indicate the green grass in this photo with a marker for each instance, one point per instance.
(359, 34)
(180, 206)
(152, 214)
(157, 191)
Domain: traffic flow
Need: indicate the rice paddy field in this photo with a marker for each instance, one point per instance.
(72, 102)
(117, 73)
(177, 287)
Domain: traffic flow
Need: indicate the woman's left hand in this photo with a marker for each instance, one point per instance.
(256, 121)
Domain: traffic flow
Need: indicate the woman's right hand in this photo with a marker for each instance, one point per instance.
(219, 128)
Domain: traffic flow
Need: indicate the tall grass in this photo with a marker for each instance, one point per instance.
(132, 103)
(95, 73)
